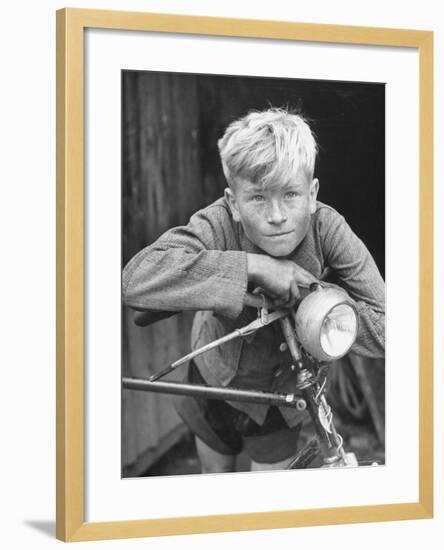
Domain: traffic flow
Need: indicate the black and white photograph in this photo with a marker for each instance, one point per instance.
(253, 264)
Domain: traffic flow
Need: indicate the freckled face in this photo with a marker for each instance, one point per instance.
(274, 219)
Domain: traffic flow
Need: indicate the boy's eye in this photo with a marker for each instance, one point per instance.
(290, 194)
(257, 198)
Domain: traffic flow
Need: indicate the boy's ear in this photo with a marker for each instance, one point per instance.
(313, 193)
(231, 199)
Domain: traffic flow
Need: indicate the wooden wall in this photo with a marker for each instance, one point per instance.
(161, 188)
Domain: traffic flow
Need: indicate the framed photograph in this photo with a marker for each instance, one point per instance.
(163, 220)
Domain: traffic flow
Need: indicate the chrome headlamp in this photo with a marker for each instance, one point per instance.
(326, 323)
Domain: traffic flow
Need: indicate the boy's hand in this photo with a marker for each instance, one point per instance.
(278, 277)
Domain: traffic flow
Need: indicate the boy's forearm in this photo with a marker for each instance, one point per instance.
(255, 266)
(371, 335)
(194, 267)
(175, 280)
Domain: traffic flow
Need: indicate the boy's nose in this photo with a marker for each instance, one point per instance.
(276, 214)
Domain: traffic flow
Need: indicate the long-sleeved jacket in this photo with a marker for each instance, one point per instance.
(203, 267)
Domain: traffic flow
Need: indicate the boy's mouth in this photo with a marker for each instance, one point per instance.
(282, 234)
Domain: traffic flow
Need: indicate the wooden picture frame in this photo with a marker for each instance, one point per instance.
(71, 25)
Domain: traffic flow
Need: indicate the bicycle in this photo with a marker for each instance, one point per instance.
(318, 330)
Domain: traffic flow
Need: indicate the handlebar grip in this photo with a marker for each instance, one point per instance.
(257, 300)
(150, 316)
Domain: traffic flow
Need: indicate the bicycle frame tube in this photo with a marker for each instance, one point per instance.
(228, 394)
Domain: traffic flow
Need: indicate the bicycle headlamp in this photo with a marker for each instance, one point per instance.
(326, 323)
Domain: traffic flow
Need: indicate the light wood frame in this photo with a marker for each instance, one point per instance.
(71, 23)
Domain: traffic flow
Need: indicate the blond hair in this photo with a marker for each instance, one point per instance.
(268, 148)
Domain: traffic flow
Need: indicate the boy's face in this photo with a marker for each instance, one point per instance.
(274, 219)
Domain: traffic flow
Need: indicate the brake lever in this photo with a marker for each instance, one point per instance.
(264, 318)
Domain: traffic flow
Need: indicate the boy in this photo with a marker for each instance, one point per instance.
(268, 231)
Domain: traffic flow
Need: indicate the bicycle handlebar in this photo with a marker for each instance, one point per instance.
(144, 318)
